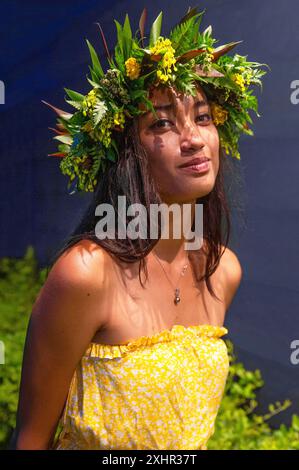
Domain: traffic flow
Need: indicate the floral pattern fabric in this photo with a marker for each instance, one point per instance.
(154, 392)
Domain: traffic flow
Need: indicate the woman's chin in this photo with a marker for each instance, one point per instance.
(196, 191)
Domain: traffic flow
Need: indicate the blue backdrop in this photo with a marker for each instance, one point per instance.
(43, 49)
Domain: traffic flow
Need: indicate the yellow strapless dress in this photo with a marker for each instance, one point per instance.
(154, 392)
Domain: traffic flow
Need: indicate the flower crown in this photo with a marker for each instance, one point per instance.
(86, 137)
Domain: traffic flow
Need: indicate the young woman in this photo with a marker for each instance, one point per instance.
(126, 363)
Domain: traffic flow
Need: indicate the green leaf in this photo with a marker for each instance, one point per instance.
(75, 104)
(183, 36)
(94, 76)
(74, 95)
(155, 29)
(95, 61)
(115, 147)
(93, 84)
(64, 148)
(119, 56)
(111, 154)
(127, 38)
(119, 36)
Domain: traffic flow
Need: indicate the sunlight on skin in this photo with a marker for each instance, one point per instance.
(184, 131)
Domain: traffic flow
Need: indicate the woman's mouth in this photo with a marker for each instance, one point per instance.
(197, 168)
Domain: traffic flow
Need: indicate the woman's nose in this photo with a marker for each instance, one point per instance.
(191, 137)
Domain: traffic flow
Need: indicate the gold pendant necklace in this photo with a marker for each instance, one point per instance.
(177, 297)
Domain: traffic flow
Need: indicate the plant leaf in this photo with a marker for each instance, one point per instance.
(65, 139)
(221, 50)
(94, 76)
(190, 13)
(74, 95)
(190, 54)
(58, 111)
(127, 38)
(210, 73)
(93, 84)
(97, 68)
(65, 132)
(75, 104)
(156, 29)
(57, 154)
(207, 31)
(184, 35)
(142, 24)
(104, 41)
(120, 41)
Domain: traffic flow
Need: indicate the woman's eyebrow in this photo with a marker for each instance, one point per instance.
(169, 106)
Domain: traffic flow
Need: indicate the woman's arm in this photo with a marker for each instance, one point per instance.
(64, 319)
(231, 274)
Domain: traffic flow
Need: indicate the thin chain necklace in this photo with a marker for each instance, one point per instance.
(177, 297)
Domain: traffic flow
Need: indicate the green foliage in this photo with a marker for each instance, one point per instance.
(156, 29)
(237, 427)
(97, 71)
(20, 281)
(185, 35)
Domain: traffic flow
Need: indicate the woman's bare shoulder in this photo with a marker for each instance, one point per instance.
(76, 284)
(231, 272)
(84, 263)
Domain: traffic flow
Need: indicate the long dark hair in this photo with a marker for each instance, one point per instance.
(130, 177)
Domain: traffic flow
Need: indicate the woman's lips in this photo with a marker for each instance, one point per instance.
(199, 168)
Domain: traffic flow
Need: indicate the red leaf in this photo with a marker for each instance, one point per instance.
(57, 154)
(104, 42)
(224, 49)
(156, 57)
(190, 54)
(60, 126)
(59, 132)
(60, 112)
(142, 24)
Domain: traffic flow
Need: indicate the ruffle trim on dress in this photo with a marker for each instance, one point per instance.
(118, 350)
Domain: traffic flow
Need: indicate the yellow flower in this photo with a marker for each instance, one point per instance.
(87, 127)
(89, 102)
(160, 46)
(102, 133)
(208, 57)
(219, 114)
(237, 155)
(164, 47)
(119, 119)
(225, 147)
(162, 76)
(132, 68)
(239, 80)
(168, 59)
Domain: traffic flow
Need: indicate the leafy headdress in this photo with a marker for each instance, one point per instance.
(86, 137)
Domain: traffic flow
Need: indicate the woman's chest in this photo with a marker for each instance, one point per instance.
(133, 311)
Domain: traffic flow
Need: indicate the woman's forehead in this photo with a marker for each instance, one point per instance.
(166, 95)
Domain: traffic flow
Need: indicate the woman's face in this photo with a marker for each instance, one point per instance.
(183, 131)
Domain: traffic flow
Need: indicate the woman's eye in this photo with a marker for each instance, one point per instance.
(205, 115)
(159, 123)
